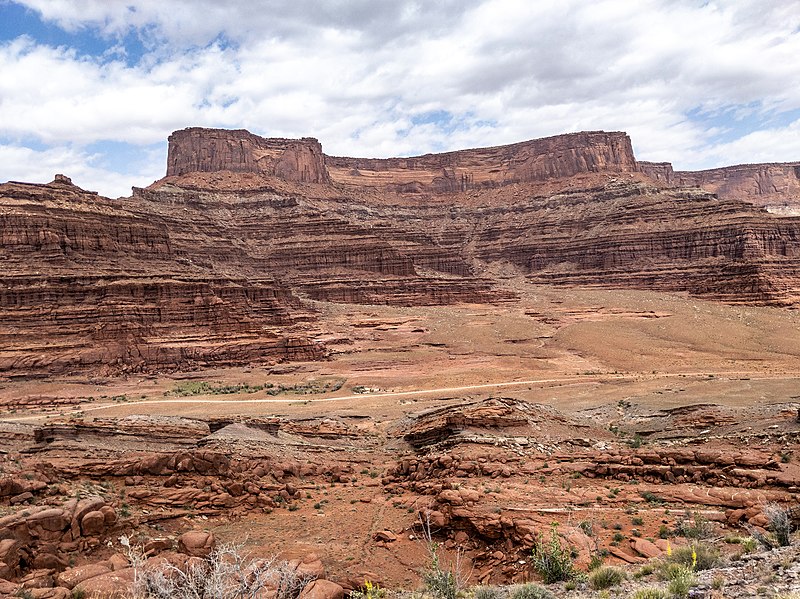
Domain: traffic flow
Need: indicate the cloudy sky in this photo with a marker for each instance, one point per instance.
(92, 88)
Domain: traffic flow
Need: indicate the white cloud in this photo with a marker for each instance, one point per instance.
(40, 166)
(358, 74)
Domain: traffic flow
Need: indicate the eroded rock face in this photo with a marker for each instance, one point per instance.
(212, 265)
(536, 160)
(773, 185)
(207, 150)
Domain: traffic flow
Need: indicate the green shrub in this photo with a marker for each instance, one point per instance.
(595, 561)
(530, 591)
(683, 579)
(697, 527)
(487, 592)
(652, 498)
(645, 570)
(606, 577)
(552, 562)
(650, 593)
(699, 556)
(441, 583)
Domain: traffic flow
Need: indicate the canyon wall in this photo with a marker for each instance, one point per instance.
(216, 267)
(770, 185)
(208, 150)
(530, 161)
(212, 150)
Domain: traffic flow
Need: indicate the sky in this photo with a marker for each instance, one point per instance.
(93, 88)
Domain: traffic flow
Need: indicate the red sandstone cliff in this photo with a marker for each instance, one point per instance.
(212, 150)
(530, 161)
(773, 185)
(208, 150)
(212, 267)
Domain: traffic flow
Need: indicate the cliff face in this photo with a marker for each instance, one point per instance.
(214, 267)
(769, 185)
(210, 150)
(112, 287)
(531, 161)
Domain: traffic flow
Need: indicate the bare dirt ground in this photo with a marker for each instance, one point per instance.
(579, 378)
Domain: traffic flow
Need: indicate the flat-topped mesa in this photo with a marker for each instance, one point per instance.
(301, 160)
(528, 161)
(208, 150)
(761, 184)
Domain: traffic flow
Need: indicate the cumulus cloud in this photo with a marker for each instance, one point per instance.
(382, 78)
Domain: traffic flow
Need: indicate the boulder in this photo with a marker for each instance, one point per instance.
(310, 566)
(93, 523)
(197, 543)
(322, 589)
(104, 586)
(646, 548)
(71, 577)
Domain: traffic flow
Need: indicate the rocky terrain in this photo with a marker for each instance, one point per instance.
(327, 359)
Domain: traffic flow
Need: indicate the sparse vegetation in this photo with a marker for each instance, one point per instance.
(651, 498)
(192, 388)
(606, 577)
(552, 561)
(487, 592)
(226, 574)
(650, 593)
(681, 582)
(440, 580)
(779, 523)
(530, 591)
(693, 526)
(699, 556)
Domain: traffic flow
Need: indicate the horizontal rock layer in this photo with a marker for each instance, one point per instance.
(208, 150)
(537, 160)
(772, 185)
(215, 267)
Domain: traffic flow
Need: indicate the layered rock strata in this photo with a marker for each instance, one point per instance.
(207, 150)
(773, 185)
(536, 160)
(214, 264)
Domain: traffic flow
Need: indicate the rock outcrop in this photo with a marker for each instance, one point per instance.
(555, 157)
(208, 150)
(773, 185)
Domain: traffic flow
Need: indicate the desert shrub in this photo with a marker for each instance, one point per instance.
(439, 581)
(650, 593)
(699, 556)
(373, 591)
(226, 574)
(779, 523)
(652, 498)
(645, 570)
(696, 527)
(595, 561)
(488, 592)
(551, 561)
(681, 582)
(443, 582)
(587, 528)
(606, 577)
(530, 591)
